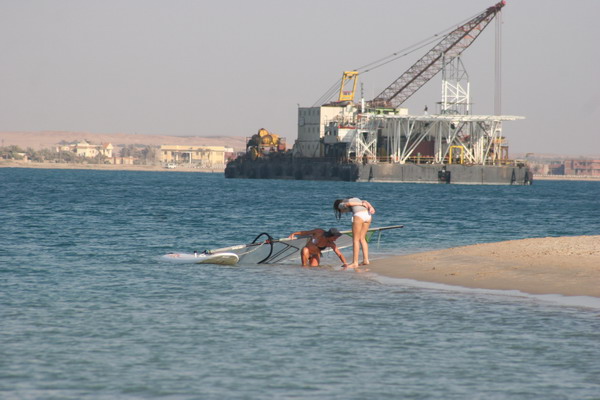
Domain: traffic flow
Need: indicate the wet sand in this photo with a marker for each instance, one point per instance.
(555, 265)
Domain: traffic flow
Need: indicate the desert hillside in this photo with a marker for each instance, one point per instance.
(49, 139)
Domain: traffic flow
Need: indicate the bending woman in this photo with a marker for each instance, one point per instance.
(361, 221)
(319, 241)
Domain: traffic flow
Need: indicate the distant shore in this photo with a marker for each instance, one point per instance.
(113, 167)
(568, 266)
(565, 178)
(180, 168)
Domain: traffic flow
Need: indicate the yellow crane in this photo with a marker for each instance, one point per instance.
(349, 79)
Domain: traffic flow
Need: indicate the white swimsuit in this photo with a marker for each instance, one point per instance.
(364, 215)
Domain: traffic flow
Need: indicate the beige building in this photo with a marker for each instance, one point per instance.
(312, 122)
(582, 167)
(202, 156)
(123, 160)
(88, 150)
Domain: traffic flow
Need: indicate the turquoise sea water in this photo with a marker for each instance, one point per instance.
(88, 311)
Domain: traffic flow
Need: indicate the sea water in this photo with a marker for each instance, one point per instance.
(89, 311)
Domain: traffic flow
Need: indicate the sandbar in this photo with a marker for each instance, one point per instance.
(567, 266)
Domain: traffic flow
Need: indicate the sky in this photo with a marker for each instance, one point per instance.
(228, 68)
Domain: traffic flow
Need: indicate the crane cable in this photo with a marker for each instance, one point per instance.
(414, 47)
(390, 58)
(328, 94)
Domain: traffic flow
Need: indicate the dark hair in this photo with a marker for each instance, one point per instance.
(336, 208)
(332, 232)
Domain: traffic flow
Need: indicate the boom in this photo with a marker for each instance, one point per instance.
(450, 47)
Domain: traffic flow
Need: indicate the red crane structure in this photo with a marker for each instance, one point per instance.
(450, 47)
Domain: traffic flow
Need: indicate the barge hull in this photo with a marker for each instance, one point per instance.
(313, 169)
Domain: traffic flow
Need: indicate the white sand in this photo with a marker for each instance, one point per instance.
(558, 265)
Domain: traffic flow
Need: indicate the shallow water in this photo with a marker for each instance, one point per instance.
(87, 310)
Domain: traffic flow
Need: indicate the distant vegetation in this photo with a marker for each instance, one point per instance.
(44, 155)
(141, 154)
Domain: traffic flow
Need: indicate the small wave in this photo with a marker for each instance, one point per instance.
(557, 299)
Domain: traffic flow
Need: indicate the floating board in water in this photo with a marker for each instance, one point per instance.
(197, 258)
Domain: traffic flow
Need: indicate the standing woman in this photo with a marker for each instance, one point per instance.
(361, 220)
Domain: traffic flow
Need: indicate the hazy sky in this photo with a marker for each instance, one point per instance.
(190, 67)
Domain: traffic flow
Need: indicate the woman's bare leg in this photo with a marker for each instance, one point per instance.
(315, 260)
(363, 242)
(356, 230)
(305, 255)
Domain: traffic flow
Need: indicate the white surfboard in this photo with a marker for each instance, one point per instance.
(199, 258)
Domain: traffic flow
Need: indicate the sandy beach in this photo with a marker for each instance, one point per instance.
(565, 178)
(554, 265)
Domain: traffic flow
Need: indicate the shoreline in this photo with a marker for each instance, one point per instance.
(565, 178)
(568, 266)
(124, 167)
(106, 167)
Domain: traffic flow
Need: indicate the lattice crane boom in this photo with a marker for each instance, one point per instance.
(450, 47)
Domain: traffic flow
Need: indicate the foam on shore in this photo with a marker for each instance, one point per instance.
(556, 299)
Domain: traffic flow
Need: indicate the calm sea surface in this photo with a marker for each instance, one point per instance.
(88, 311)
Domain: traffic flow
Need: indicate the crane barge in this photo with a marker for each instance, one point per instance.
(378, 140)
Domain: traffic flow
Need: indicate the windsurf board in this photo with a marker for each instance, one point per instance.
(200, 258)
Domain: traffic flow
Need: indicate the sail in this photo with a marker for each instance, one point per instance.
(272, 251)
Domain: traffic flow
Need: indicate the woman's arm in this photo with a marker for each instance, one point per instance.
(305, 233)
(363, 203)
(350, 203)
(339, 254)
(368, 206)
